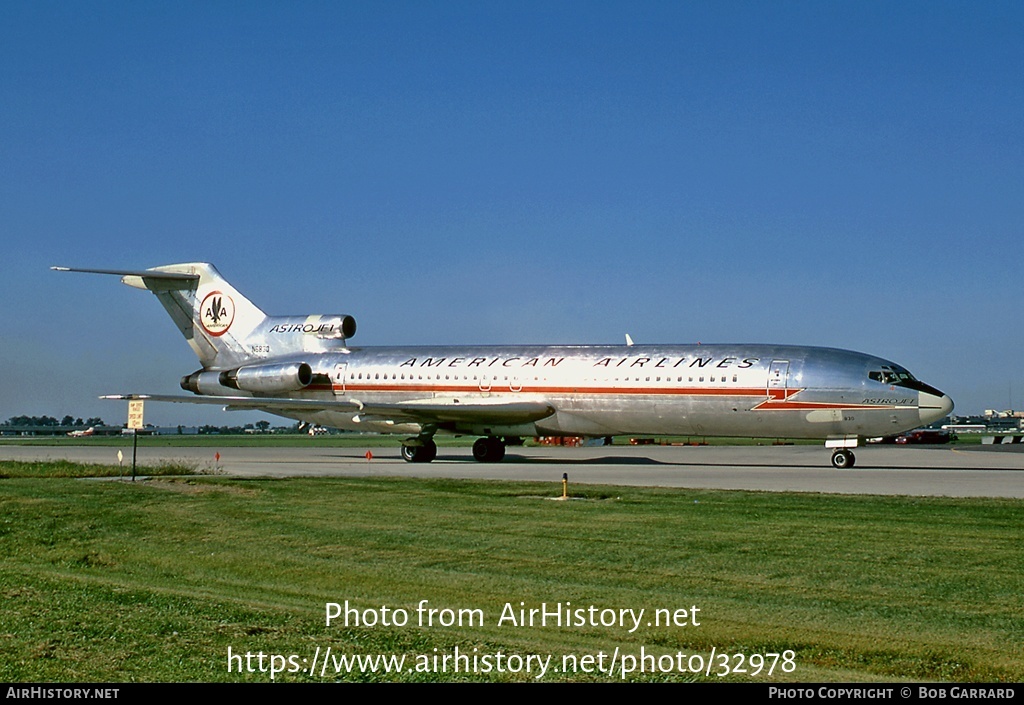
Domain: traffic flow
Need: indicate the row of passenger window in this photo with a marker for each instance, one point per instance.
(395, 376)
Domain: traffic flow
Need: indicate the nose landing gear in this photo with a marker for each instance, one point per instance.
(843, 459)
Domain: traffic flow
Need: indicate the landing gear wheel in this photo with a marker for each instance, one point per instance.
(489, 450)
(843, 459)
(430, 449)
(420, 454)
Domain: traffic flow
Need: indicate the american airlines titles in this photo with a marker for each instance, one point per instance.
(634, 362)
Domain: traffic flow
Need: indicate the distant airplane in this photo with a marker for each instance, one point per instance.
(302, 367)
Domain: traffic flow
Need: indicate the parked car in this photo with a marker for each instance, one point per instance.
(925, 435)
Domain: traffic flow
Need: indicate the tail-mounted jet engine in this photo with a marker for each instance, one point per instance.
(324, 327)
(265, 379)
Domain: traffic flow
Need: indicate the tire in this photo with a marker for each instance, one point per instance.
(497, 450)
(480, 450)
(429, 451)
(489, 450)
(420, 454)
(843, 460)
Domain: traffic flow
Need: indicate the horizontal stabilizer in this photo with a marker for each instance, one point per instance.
(151, 279)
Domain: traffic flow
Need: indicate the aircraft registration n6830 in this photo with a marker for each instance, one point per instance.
(303, 368)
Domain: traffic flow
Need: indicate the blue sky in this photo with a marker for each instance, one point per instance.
(846, 174)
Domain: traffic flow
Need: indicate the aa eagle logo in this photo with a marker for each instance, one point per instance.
(217, 313)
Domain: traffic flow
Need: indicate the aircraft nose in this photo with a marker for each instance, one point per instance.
(933, 407)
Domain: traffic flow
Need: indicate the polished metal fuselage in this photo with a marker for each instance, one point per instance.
(703, 390)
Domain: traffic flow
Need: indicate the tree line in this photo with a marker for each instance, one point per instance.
(67, 421)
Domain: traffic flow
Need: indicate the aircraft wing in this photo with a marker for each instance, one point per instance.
(434, 410)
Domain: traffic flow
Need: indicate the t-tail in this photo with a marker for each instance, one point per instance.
(224, 328)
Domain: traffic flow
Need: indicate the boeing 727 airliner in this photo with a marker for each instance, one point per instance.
(303, 368)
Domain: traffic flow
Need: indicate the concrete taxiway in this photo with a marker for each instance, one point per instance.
(964, 471)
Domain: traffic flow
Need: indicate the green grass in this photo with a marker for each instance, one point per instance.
(66, 468)
(154, 581)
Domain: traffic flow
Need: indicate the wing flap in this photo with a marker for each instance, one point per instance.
(452, 410)
(420, 411)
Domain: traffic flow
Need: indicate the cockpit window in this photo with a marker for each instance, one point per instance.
(892, 375)
(899, 377)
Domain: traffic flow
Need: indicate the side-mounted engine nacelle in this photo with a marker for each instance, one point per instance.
(202, 382)
(260, 379)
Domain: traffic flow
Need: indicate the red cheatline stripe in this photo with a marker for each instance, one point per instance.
(526, 388)
(772, 405)
(777, 400)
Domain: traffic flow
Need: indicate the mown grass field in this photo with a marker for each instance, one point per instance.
(154, 581)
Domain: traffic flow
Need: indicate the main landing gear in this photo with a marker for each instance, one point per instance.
(423, 453)
(843, 459)
(489, 450)
(485, 450)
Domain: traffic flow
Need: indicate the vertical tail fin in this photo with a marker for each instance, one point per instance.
(212, 315)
